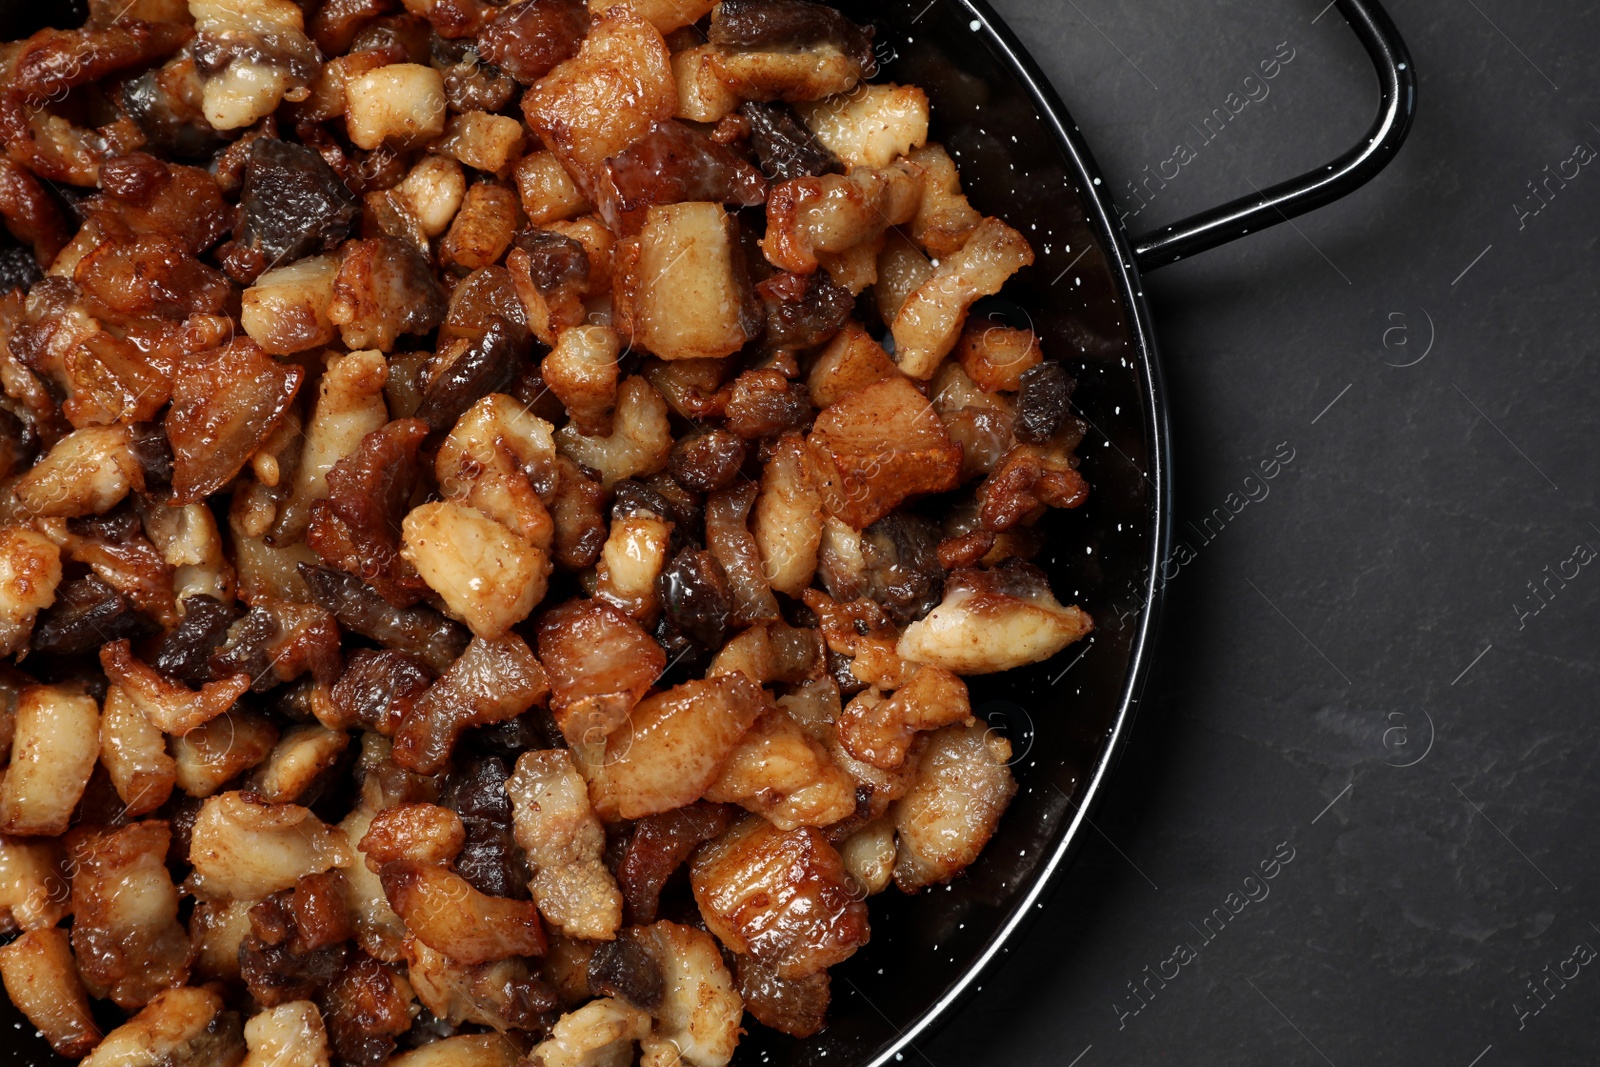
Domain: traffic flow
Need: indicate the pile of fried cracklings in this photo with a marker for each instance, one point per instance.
(456, 593)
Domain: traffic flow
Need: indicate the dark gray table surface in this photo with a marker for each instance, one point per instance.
(1386, 666)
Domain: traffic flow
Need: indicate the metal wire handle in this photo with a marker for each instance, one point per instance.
(1397, 79)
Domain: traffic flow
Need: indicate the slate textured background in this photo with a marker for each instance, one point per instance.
(1357, 669)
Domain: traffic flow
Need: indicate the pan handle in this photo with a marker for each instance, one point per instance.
(1397, 78)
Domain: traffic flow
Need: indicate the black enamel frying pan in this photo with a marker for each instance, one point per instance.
(1022, 158)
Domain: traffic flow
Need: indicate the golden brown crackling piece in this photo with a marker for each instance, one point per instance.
(42, 980)
(564, 842)
(962, 787)
(506, 994)
(602, 1032)
(782, 896)
(58, 150)
(30, 214)
(304, 753)
(219, 750)
(780, 773)
(879, 730)
(697, 1022)
(930, 321)
(366, 1007)
(994, 621)
(185, 1024)
(1028, 479)
(492, 682)
(222, 411)
(356, 529)
(427, 833)
(53, 753)
(87, 472)
(600, 663)
(874, 448)
(444, 912)
(289, 1035)
(794, 1006)
(610, 94)
(125, 931)
(247, 849)
(170, 706)
(672, 747)
(995, 357)
(833, 213)
(658, 846)
(43, 66)
(487, 574)
(30, 571)
(34, 891)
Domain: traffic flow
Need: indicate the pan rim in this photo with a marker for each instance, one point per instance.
(1118, 245)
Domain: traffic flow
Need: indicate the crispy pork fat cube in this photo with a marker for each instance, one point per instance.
(996, 357)
(581, 370)
(269, 54)
(688, 300)
(290, 1035)
(697, 1022)
(547, 191)
(444, 912)
(30, 570)
(872, 126)
(33, 886)
(599, 1034)
(788, 519)
(247, 849)
(876, 447)
(993, 621)
(487, 575)
(170, 706)
(491, 682)
(125, 931)
(781, 773)
(851, 362)
(87, 472)
(600, 663)
(640, 441)
(784, 897)
(468, 1050)
(610, 94)
(555, 826)
(185, 1025)
(672, 747)
(944, 219)
(53, 751)
(42, 980)
(402, 103)
(832, 213)
(962, 787)
(286, 310)
(483, 141)
(930, 320)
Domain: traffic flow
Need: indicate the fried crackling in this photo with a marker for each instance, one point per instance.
(125, 931)
(784, 897)
(53, 752)
(184, 1025)
(170, 706)
(564, 841)
(246, 849)
(42, 981)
